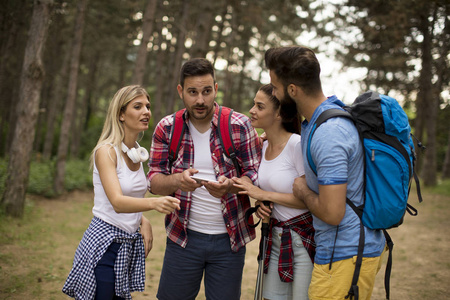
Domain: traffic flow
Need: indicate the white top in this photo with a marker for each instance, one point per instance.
(132, 183)
(278, 174)
(205, 215)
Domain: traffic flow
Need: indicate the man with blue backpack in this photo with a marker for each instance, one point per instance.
(338, 155)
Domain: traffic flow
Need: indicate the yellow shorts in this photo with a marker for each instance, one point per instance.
(335, 283)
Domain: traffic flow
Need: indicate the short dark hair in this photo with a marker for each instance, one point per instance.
(290, 118)
(295, 65)
(196, 67)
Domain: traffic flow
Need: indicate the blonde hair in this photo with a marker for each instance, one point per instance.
(113, 132)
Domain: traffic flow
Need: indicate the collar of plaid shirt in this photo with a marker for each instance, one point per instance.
(302, 225)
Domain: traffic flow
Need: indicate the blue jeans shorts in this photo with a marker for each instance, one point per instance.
(205, 254)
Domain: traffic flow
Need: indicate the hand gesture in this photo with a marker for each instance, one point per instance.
(220, 188)
(264, 210)
(187, 184)
(166, 204)
(247, 188)
(147, 235)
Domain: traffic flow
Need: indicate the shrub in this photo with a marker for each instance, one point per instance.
(40, 180)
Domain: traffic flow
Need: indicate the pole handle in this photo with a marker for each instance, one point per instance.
(266, 219)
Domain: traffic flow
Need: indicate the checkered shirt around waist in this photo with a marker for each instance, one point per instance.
(302, 225)
(129, 267)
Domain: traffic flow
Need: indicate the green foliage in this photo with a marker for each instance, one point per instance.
(78, 175)
(3, 168)
(90, 136)
(40, 180)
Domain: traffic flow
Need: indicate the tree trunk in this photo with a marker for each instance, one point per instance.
(6, 105)
(84, 107)
(178, 56)
(11, 63)
(429, 169)
(157, 103)
(27, 111)
(446, 166)
(238, 104)
(203, 29)
(442, 74)
(159, 108)
(63, 146)
(54, 106)
(147, 30)
(219, 39)
(12, 46)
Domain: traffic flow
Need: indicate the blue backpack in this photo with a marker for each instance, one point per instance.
(389, 159)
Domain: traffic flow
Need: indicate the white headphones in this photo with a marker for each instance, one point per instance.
(136, 155)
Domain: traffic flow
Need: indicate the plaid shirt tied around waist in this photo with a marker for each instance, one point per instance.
(129, 266)
(302, 225)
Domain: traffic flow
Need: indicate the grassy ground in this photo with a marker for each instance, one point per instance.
(36, 252)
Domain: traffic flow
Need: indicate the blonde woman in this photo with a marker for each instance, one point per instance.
(109, 262)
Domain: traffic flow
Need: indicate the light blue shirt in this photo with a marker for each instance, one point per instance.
(338, 155)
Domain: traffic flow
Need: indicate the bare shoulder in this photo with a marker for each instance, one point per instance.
(104, 154)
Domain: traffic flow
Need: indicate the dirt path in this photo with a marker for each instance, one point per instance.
(36, 253)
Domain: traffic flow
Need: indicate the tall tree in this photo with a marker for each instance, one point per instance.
(63, 146)
(27, 111)
(54, 106)
(56, 60)
(446, 166)
(180, 49)
(425, 95)
(203, 28)
(399, 44)
(14, 25)
(147, 31)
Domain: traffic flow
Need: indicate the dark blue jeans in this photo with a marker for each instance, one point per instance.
(105, 276)
(183, 268)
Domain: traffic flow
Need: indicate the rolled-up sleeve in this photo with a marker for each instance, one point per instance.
(249, 148)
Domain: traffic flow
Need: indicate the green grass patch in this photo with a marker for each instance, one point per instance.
(442, 188)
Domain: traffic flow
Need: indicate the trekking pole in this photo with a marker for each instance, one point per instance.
(261, 257)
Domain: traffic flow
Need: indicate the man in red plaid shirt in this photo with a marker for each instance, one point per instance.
(207, 236)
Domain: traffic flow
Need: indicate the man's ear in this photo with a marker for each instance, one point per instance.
(292, 90)
(180, 91)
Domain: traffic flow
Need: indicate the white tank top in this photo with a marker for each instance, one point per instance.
(278, 174)
(205, 215)
(132, 183)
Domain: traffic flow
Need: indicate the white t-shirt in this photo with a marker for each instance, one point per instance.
(278, 174)
(205, 215)
(132, 183)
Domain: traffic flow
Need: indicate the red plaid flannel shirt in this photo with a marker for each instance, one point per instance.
(248, 150)
(301, 224)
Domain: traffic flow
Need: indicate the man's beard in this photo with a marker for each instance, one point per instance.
(193, 114)
(289, 102)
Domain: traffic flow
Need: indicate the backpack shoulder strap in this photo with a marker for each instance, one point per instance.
(327, 114)
(225, 136)
(176, 135)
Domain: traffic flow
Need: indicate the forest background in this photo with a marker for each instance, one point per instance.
(62, 61)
